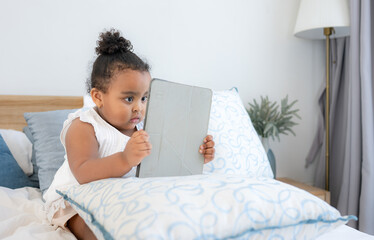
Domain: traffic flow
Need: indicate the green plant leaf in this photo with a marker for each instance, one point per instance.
(271, 119)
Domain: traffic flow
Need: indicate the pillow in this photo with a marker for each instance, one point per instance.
(45, 128)
(20, 147)
(238, 148)
(34, 177)
(215, 206)
(11, 174)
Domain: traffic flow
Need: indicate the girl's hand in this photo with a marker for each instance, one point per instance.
(137, 148)
(207, 149)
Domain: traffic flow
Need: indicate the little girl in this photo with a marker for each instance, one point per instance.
(106, 141)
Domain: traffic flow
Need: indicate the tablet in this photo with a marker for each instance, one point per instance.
(176, 121)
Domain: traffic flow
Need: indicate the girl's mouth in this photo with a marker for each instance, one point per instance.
(134, 120)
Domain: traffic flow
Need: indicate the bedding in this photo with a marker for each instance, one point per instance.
(238, 148)
(20, 147)
(345, 232)
(21, 207)
(11, 174)
(237, 197)
(45, 128)
(34, 177)
(23, 217)
(216, 206)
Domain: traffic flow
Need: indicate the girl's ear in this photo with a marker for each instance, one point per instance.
(97, 97)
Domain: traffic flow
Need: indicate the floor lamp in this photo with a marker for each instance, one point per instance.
(324, 19)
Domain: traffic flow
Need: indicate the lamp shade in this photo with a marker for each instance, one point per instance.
(315, 15)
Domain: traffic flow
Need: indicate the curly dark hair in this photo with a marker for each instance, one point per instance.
(114, 54)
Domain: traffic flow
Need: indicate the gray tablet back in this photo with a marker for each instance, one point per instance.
(176, 121)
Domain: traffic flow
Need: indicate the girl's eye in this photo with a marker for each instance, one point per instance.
(129, 99)
(144, 99)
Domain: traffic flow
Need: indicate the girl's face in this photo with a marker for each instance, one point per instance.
(124, 103)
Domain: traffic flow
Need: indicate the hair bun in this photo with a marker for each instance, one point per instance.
(111, 42)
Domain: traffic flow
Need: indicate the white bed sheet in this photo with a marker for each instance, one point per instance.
(22, 217)
(345, 232)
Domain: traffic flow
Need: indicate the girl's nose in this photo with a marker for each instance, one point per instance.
(137, 107)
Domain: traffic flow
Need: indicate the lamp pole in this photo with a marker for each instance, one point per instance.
(327, 32)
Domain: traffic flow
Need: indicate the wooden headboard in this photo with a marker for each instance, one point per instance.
(12, 107)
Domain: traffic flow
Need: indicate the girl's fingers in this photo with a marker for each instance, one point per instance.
(142, 139)
(209, 151)
(208, 138)
(202, 149)
(145, 146)
(148, 146)
(139, 133)
(209, 144)
(140, 136)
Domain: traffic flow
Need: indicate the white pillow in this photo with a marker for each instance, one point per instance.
(20, 147)
(215, 206)
(238, 148)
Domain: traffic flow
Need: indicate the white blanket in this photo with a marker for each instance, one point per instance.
(22, 216)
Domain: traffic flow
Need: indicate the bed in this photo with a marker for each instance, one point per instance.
(235, 198)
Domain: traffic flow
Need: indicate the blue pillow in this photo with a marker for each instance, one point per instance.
(11, 174)
(45, 128)
(34, 177)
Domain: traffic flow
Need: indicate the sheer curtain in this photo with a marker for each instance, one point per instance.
(352, 121)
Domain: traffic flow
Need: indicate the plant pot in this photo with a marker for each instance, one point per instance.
(270, 154)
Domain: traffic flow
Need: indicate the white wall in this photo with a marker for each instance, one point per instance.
(47, 47)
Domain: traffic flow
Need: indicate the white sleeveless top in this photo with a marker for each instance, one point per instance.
(110, 141)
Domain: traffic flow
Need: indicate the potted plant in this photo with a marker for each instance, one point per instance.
(270, 120)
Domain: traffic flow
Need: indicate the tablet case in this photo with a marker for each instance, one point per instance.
(176, 121)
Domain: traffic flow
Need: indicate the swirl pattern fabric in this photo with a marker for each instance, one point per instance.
(238, 147)
(216, 206)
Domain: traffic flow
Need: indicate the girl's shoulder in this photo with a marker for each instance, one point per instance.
(79, 130)
(77, 119)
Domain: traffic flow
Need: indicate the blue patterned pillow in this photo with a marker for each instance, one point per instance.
(238, 148)
(215, 206)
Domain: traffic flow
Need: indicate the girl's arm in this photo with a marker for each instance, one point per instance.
(82, 151)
